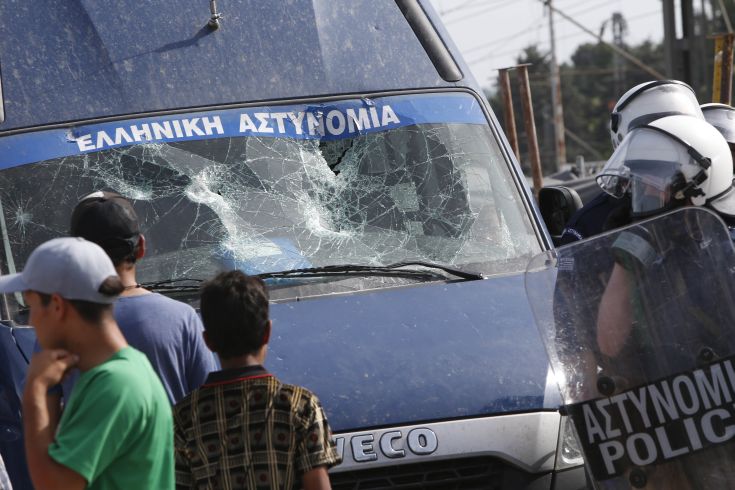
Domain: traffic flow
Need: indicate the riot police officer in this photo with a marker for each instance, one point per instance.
(722, 117)
(669, 163)
(641, 104)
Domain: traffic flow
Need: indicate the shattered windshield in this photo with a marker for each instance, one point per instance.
(360, 181)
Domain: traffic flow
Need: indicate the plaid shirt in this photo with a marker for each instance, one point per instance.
(245, 429)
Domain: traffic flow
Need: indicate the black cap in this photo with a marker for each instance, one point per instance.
(109, 220)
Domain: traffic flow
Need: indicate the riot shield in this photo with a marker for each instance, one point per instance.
(639, 326)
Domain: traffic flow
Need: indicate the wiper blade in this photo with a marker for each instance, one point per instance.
(391, 270)
(470, 276)
(181, 284)
(351, 270)
(187, 284)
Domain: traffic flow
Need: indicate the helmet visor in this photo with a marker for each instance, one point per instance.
(652, 185)
(615, 184)
(650, 166)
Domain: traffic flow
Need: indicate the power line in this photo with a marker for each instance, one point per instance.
(593, 7)
(560, 38)
(646, 14)
(482, 11)
(502, 39)
(542, 75)
(617, 49)
(725, 16)
(519, 50)
(472, 4)
(463, 6)
(569, 7)
(635, 17)
(530, 26)
(502, 53)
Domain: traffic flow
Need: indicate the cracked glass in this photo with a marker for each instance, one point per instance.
(438, 191)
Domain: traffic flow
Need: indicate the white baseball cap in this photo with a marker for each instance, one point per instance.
(73, 268)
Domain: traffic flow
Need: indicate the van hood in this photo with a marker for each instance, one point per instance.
(424, 353)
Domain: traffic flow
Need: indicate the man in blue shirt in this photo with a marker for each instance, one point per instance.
(169, 332)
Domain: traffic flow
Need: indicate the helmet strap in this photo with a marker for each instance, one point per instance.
(614, 121)
(691, 189)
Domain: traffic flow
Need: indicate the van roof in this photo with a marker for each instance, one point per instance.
(82, 59)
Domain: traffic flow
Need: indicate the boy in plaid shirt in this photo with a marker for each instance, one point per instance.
(244, 428)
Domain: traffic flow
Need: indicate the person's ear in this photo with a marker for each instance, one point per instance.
(141, 247)
(58, 307)
(267, 333)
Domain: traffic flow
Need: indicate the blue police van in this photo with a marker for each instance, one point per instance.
(343, 150)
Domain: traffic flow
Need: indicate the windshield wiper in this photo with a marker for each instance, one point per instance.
(391, 270)
(186, 284)
(178, 285)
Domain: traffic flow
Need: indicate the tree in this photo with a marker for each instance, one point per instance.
(588, 94)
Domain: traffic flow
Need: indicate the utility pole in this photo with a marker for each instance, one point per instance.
(685, 55)
(722, 77)
(619, 30)
(559, 133)
(640, 64)
(510, 118)
(530, 125)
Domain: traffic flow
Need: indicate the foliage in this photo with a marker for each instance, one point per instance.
(589, 91)
(590, 85)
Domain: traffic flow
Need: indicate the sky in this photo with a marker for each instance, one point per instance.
(492, 33)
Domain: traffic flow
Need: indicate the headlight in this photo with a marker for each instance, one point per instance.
(568, 451)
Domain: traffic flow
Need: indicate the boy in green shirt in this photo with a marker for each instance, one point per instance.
(116, 430)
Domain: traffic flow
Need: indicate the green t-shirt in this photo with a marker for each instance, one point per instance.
(116, 430)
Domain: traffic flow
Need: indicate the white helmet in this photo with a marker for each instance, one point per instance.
(670, 162)
(722, 117)
(650, 101)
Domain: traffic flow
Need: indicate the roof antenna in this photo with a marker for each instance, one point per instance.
(216, 16)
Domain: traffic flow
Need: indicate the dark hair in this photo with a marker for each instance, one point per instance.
(109, 220)
(123, 253)
(89, 311)
(235, 313)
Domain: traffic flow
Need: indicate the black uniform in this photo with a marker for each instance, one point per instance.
(602, 213)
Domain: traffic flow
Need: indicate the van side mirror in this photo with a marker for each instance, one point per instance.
(557, 205)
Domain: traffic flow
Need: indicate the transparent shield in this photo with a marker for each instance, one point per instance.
(638, 325)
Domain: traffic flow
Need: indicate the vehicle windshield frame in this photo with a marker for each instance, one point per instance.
(520, 196)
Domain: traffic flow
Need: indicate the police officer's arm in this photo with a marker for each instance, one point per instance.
(614, 314)
(40, 420)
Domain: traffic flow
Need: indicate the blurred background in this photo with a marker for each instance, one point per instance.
(601, 49)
